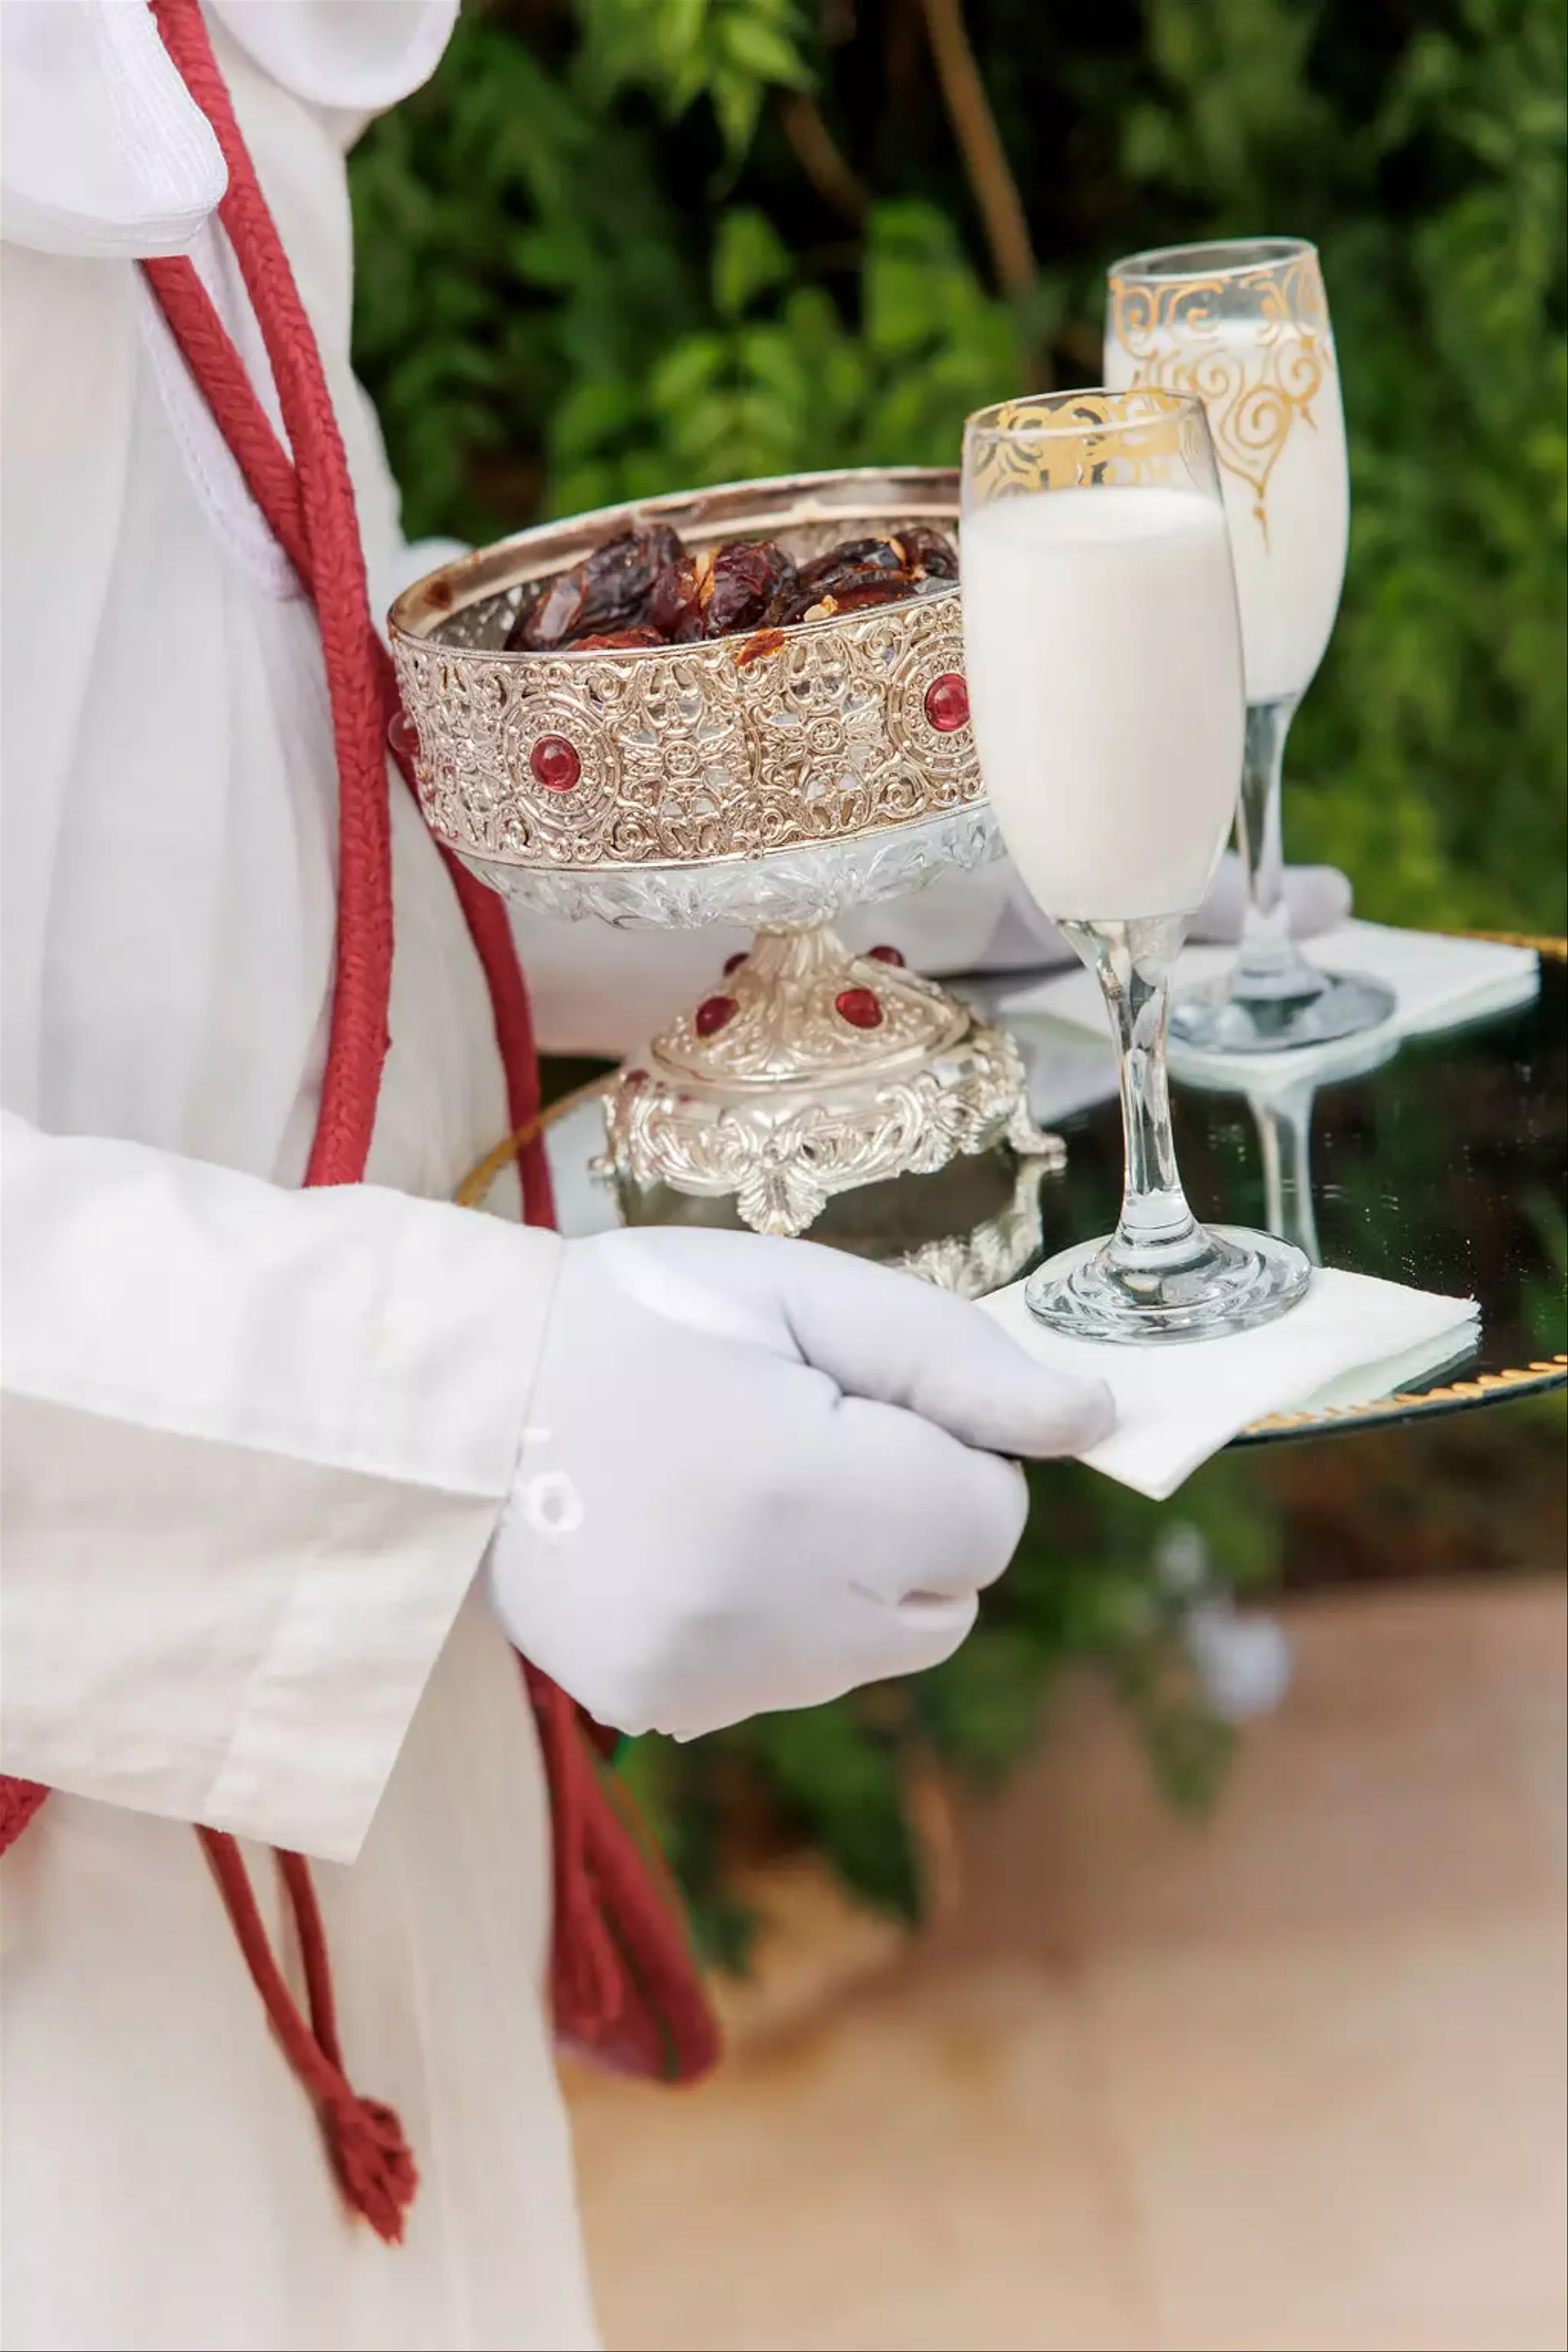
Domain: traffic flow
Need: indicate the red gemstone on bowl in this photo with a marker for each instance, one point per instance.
(555, 763)
(859, 1007)
(947, 703)
(886, 955)
(734, 963)
(712, 1013)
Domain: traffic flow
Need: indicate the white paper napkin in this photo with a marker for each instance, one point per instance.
(1439, 981)
(1351, 1339)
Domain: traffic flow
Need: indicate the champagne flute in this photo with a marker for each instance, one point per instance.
(1245, 326)
(1102, 648)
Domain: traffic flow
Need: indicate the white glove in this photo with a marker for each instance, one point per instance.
(759, 1473)
(1316, 897)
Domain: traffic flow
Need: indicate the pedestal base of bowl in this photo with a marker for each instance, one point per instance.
(808, 1071)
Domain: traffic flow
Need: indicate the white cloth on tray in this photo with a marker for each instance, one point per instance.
(1439, 980)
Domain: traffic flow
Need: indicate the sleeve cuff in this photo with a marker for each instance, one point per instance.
(251, 1622)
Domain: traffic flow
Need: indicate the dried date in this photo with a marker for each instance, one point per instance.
(851, 564)
(610, 590)
(861, 594)
(643, 588)
(680, 598)
(929, 554)
(614, 639)
(861, 572)
(748, 575)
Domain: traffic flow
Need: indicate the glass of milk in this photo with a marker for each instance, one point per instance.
(1102, 647)
(1246, 327)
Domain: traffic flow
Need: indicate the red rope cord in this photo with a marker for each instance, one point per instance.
(220, 374)
(372, 2160)
(309, 504)
(323, 544)
(362, 976)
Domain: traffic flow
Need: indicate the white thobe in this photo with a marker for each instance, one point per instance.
(255, 1439)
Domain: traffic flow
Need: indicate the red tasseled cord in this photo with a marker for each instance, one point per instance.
(309, 504)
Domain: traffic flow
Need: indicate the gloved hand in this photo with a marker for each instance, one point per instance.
(759, 1472)
(1317, 897)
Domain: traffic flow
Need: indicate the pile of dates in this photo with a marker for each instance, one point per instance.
(643, 588)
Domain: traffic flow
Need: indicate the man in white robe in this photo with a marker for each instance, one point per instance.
(268, 1451)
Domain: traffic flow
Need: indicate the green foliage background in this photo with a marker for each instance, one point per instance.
(592, 265)
(624, 246)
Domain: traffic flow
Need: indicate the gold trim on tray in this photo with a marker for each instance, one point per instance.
(1556, 948)
(1549, 1373)
(1544, 1373)
(471, 1192)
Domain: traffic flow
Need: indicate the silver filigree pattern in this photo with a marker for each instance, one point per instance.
(811, 1106)
(736, 749)
(783, 1022)
(771, 781)
(807, 885)
(994, 1252)
(685, 751)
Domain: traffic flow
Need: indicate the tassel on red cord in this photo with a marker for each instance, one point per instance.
(623, 1979)
(365, 2139)
(374, 2162)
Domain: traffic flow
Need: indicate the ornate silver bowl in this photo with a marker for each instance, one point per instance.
(772, 779)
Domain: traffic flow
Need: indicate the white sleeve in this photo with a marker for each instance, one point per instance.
(103, 153)
(256, 1444)
(348, 56)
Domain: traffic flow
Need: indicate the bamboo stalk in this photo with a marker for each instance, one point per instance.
(820, 157)
(990, 175)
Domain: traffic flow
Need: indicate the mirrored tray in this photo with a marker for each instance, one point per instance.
(1444, 1164)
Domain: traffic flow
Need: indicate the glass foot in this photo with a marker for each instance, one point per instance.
(1213, 1021)
(1233, 1281)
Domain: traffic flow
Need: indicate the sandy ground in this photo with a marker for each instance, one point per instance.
(1295, 2079)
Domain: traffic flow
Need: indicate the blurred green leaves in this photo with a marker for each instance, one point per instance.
(779, 382)
(1445, 702)
(595, 264)
(519, 260)
(730, 52)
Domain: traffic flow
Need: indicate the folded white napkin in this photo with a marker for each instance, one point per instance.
(1439, 981)
(1352, 1338)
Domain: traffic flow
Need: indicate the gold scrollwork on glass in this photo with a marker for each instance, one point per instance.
(1086, 439)
(1180, 337)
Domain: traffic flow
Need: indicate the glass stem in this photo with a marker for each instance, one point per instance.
(1284, 1134)
(1269, 965)
(1156, 1233)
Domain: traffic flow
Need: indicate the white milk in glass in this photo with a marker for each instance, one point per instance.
(1286, 481)
(1104, 665)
